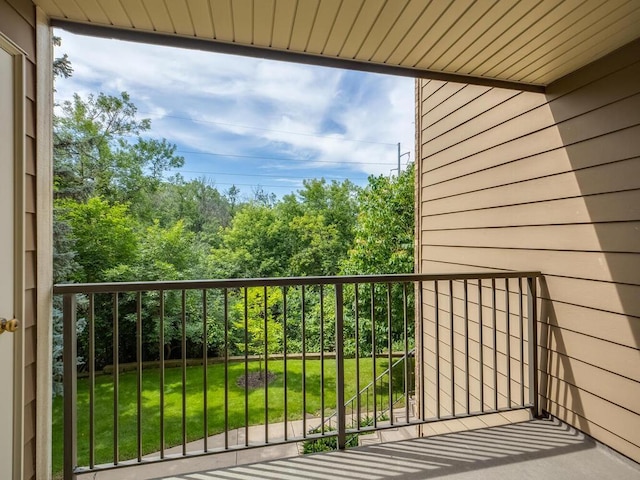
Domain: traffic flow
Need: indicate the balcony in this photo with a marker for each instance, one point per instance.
(156, 372)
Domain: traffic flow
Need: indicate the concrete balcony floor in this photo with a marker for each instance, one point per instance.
(537, 449)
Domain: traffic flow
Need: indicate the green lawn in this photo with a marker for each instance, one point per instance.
(194, 399)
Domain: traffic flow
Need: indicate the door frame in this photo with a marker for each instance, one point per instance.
(19, 243)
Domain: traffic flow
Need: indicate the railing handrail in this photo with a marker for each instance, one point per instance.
(118, 287)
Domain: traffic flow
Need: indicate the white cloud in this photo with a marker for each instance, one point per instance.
(329, 108)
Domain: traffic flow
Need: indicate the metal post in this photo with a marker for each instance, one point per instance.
(342, 436)
(70, 383)
(533, 345)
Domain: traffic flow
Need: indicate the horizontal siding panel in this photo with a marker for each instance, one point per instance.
(616, 389)
(17, 29)
(614, 358)
(616, 328)
(610, 118)
(432, 114)
(600, 179)
(597, 410)
(607, 237)
(608, 207)
(619, 267)
(488, 172)
(620, 299)
(467, 117)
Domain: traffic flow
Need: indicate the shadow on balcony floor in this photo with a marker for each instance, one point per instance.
(545, 449)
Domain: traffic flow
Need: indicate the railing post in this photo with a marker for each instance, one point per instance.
(532, 302)
(340, 407)
(70, 373)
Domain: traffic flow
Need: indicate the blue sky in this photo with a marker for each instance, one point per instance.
(252, 122)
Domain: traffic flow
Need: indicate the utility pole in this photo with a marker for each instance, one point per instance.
(400, 155)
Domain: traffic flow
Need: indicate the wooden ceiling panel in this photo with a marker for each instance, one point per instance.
(361, 27)
(476, 41)
(406, 20)
(574, 42)
(263, 22)
(539, 33)
(381, 27)
(200, 12)
(418, 32)
(342, 26)
(113, 9)
(323, 25)
(242, 14)
(180, 17)
(94, 12)
(284, 14)
(138, 15)
(302, 25)
(620, 33)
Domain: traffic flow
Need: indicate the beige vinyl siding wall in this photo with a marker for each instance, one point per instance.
(17, 22)
(549, 182)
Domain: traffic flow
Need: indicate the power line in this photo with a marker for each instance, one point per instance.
(216, 154)
(272, 130)
(329, 177)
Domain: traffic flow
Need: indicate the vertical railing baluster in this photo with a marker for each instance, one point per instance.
(405, 321)
(480, 346)
(70, 383)
(162, 373)
(92, 382)
(494, 317)
(533, 345)
(342, 436)
(357, 339)
(205, 380)
(284, 362)
(139, 373)
(437, 346)
(452, 352)
(225, 308)
(116, 379)
(389, 354)
(304, 363)
(373, 354)
(421, 370)
(322, 401)
(508, 349)
(246, 367)
(521, 320)
(466, 344)
(184, 371)
(265, 313)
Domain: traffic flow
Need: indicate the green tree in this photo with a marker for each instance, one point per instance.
(103, 234)
(263, 321)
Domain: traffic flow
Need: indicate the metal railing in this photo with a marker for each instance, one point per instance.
(318, 341)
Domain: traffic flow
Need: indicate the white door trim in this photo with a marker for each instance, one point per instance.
(44, 241)
(19, 244)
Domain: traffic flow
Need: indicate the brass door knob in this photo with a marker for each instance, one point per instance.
(8, 325)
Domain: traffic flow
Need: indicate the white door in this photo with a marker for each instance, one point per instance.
(10, 262)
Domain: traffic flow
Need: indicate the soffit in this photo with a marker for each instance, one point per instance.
(529, 41)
